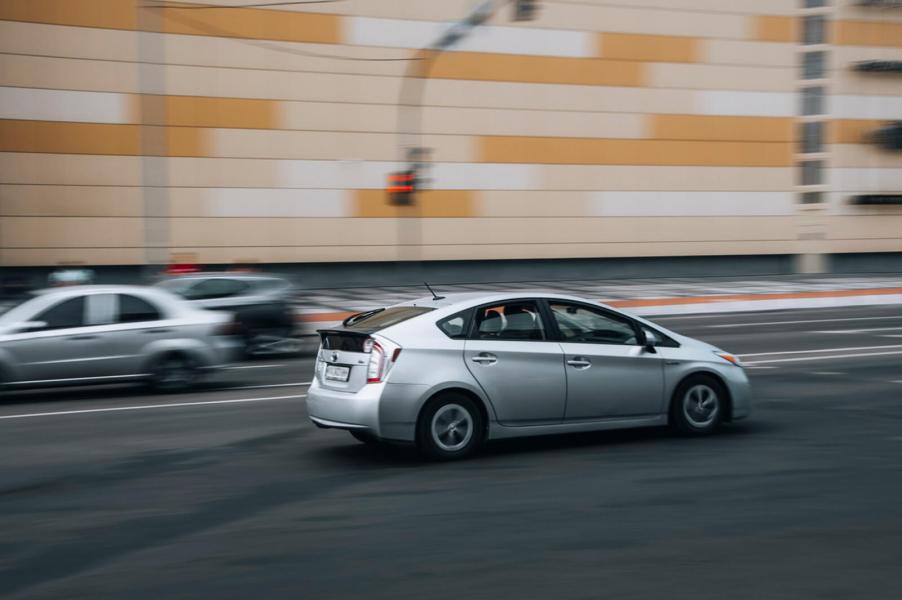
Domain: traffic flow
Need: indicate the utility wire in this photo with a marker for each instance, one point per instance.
(219, 32)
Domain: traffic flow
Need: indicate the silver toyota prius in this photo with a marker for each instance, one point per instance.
(448, 373)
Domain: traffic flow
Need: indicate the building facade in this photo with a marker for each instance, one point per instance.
(136, 132)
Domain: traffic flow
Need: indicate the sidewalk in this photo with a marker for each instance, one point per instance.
(325, 308)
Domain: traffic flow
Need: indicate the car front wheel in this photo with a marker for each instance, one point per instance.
(450, 427)
(698, 406)
(173, 373)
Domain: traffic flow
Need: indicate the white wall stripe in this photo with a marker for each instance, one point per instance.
(64, 105)
(642, 204)
(759, 104)
(865, 180)
(867, 107)
(400, 33)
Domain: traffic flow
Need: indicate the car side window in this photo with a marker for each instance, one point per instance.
(583, 324)
(509, 321)
(136, 310)
(210, 289)
(67, 314)
(455, 326)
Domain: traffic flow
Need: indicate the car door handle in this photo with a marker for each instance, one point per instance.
(579, 363)
(82, 338)
(485, 359)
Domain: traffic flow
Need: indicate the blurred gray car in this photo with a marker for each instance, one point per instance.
(448, 373)
(106, 334)
(262, 305)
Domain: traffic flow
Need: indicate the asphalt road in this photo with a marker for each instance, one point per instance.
(231, 492)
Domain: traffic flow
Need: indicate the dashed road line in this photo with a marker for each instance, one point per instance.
(756, 324)
(830, 357)
(885, 347)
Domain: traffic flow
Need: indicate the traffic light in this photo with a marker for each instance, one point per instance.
(402, 186)
(525, 10)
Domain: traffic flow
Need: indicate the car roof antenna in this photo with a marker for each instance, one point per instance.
(434, 295)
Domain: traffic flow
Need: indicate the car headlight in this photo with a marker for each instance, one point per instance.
(730, 358)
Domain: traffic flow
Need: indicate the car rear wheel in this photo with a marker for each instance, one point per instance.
(450, 427)
(698, 405)
(173, 373)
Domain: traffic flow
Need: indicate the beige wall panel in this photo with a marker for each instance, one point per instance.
(722, 77)
(600, 229)
(281, 232)
(533, 204)
(627, 19)
(867, 33)
(224, 173)
(846, 81)
(863, 156)
(741, 52)
(31, 257)
(330, 145)
(699, 127)
(468, 121)
(71, 201)
(578, 250)
(634, 178)
(843, 56)
(864, 227)
(774, 28)
(583, 151)
(279, 25)
(71, 232)
(67, 74)
(635, 46)
(69, 169)
(75, 42)
(537, 69)
(873, 245)
(199, 111)
(288, 254)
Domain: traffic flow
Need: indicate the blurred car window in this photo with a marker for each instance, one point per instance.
(136, 310)
(209, 289)
(580, 323)
(66, 314)
(512, 321)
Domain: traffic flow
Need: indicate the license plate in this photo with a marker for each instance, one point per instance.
(336, 373)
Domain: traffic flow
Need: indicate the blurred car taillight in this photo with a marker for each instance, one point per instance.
(380, 361)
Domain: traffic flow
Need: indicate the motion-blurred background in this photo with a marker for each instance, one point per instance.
(732, 137)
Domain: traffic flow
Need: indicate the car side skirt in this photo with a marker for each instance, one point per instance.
(498, 431)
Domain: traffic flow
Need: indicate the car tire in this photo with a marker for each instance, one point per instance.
(698, 406)
(365, 437)
(173, 373)
(450, 427)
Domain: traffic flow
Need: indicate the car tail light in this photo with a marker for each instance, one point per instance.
(230, 327)
(380, 361)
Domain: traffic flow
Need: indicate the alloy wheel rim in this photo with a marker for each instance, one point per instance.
(452, 427)
(701, 405)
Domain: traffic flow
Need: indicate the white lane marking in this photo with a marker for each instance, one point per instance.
(758, 367)
(832, 356)
(742, 356)
(150, 406)
(896, 381)
(255, 366)
(827, 373)
(755, 324)
(266, 385)
(860, 330)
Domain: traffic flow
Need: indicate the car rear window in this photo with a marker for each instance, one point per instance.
(381, 319)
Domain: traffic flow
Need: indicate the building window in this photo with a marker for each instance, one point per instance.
(815, 3)
(814, 30)
(813, 101)
(812, 172)
(812, 137)
(813, 65)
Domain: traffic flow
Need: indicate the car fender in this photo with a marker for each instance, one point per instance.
(196, 349)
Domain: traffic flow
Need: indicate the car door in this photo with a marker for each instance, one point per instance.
(135, 323)
(518, 367)
(609, 373)
(67, 345)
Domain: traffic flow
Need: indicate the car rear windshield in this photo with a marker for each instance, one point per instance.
(376, 320)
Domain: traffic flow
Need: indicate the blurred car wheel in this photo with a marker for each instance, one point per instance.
(698, 405)
(450, 427)
(173, 373)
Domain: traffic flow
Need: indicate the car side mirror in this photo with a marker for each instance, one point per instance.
(649, 341)
(27, 326)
